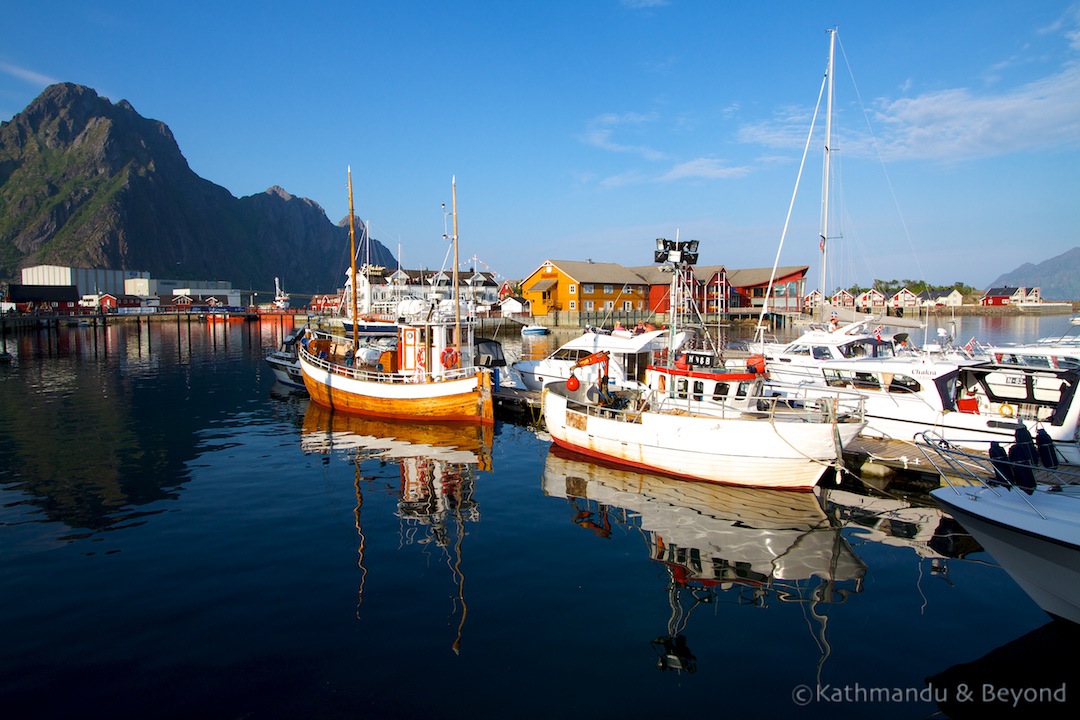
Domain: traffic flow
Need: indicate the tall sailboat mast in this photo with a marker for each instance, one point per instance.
(457, 301)
(826, 171)
(352, 254)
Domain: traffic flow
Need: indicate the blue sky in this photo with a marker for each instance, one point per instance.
(584, 129)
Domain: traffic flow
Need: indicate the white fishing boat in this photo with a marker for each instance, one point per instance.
(691, 417)
(428, 370)
(285, 362)
(723, 427)
(1026, 516)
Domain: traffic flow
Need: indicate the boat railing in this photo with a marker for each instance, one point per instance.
(811, 405)
(368, 375)
(1019, 472)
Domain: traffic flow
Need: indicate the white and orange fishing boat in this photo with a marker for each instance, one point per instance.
(695, 417)
(430, 369)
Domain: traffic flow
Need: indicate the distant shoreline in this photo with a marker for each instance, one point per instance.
(1055, 308)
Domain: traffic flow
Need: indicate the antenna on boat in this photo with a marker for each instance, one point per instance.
(457, 300)
(352, 254)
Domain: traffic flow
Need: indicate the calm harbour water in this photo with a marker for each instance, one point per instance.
(181, 537)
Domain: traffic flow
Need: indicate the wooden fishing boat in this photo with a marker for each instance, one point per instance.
(429, 369)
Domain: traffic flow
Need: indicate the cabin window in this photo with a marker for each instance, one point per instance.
(699, 389)
(904, 383)
(821, 353)
(720, 391)
(680, 388)
(866, 381)
(799, 350)
(744, 389)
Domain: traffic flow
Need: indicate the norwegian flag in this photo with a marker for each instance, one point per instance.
(970, 347)
(877, 332)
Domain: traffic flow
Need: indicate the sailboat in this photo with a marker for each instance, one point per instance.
(838, 332)
(429, 369)
(281, 298)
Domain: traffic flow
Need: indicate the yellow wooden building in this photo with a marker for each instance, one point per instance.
(571, 287)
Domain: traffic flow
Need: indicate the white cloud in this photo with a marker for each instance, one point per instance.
(703, 168)
(961, 124)
(601, 130)
(35, 78)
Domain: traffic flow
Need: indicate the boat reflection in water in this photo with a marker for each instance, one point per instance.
(749, 545)
(437, 470)
(898, 519)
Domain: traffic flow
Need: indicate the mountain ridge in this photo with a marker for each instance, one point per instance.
(1057, 278)
(85, 182)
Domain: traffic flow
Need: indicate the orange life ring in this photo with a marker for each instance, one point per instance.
(449, 357)
(420, 357)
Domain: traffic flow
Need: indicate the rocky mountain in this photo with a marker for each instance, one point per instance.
(1057, 278)
(85, 182)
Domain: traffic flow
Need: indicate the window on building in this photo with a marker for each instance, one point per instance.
(572, 289)
(589, 306)
(609, 289)
(587, 289)
(573, 304)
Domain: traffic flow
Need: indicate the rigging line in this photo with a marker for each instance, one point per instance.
(787, 220)
(884, 170)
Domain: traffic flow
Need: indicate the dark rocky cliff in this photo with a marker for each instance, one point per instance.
(88, 183)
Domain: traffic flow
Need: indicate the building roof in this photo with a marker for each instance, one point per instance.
(1003, 291)
(43, 293)
(760, 276)
(597, 273)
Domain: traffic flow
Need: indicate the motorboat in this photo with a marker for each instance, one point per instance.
(1024, 512)
(534, 330)
(628, 356)
(1059, 352)
(285, 363)
(971, 405)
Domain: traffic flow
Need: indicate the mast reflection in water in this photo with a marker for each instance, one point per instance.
(437, 464)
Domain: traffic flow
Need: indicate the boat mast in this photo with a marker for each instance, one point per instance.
(352, 254)
(826, 170)
(457, 302)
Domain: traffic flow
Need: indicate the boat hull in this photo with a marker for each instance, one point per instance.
(730, 451)
(1042, 554)
(286, 370)
(467, 399)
